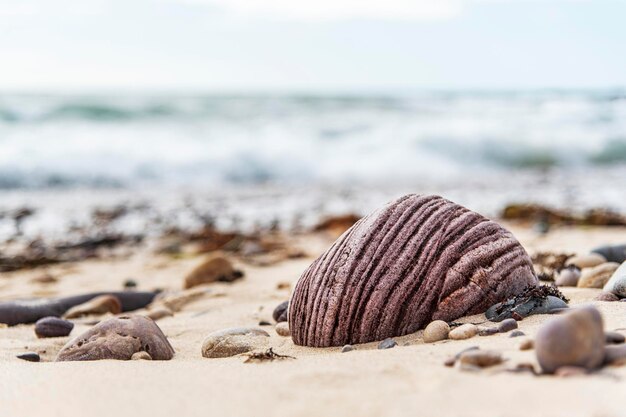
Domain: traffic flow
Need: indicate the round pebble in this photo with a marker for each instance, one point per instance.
(586, 261)
(573, 339)
(481, 358)
(614, 338)
(280, 312)
(615, 354)
(234, 341)
(436, 331)
(282, 329)
(598, 276)
(527, 344)
(487, 331)
(137, 356)
(347, 348)
(568, 277)
(387, 344)
(606, 296)
(517, 333)
(464, 331)
(507, 325)
(53, 327)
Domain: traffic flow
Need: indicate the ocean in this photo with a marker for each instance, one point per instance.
(249, 161)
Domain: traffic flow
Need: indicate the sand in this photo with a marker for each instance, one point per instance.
(407, 380)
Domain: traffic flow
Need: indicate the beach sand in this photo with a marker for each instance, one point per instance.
(409, 379)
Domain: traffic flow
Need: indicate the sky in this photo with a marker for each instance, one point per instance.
(311, 45)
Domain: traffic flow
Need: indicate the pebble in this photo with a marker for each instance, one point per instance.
(487, 331)
(568, 277)
(436, 331)
(99, 305)
(53, 327)
(507, 325)
(527, 344)
(214, 269)
(517, 333)
(137, 356)
(159, 312)
(452, 360)
(387, 344)
(347, 348)
(598, 276)
(617, 283)
(264, 323)
(481, 358)
(234, 341)
(613, 253)
(130, 284)
(29, 356)
(568, 371)
(280, 312)
(586, 261)
(614, 338)
(606, 296)
(282, 329)
(615, 354)
(118, 338)
(573, 339)
(464, 331)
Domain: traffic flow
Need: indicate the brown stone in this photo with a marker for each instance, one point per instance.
(437, 330)
(597, 276)
(99, 305)
(214, 269)
(234, 341)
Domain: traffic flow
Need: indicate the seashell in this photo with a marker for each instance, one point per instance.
(417, 259)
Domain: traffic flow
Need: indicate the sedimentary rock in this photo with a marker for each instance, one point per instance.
(417, 259)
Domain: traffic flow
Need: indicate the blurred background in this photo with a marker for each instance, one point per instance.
(257, 114)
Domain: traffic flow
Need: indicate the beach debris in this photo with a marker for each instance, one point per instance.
(573, 339)
(507, 325)
(234, 341)
(102, 304)
(547, 264)
(464, 331)
(613, 253)
(29, 357)
(215, 268)
(31, 310)
(280, 312)
(267, 355)
(606, 296)
(435, 331)
(586, 261)
(282, 329)
(347, 348)
(614, 338)
(517, 333)
(543, 299)
(598, 276)
(617, 283)
(527, 344)
(53, 327)
(568, 276)
(537, 213)
(118, 338)
(392, 273)
(388, 343)
(142, 355)
(480, 358)
(452, 360)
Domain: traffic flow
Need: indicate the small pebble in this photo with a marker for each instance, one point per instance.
(586, 261)
(159, 312)
(347, 348)
(598, 276)
(436, 331)
(99, 305)
(130, 284)
(507, 325)
(615, 354)
(452, 360)
(606, 296)
(517, 333)
(568, 277)
(53, 327)
(481, 358)
(29, 356)
(234, 341)
(280, 312)
(282, 329)
(614, 338)
(568, 371)
(464, 331)
(527, 344)
(264, 323)
(487, 331)
(137, 356)
(387, 344)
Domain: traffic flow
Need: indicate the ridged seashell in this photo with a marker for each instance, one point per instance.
(417, 259)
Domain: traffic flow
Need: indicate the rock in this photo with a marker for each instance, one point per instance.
(99, 305)
(507, 325)
(280, 312)
(481, 358)
(617, 283)
(487, 331)
(159, 312)
(517, 333)
(29, 356)
(527, 344)
(282, 329)
(614, 338)
(53, 327)
(264, 323)
(573, 339)
(387, 344)
(615, 355)
(464, 331)
(347, 348)
(175, 302)
(44, 279)
(598, 276)
(544, 299)
(130, 284)
(234, 341)
(137, 356)
(452, 360)
(437, 330)
(568, 371)
(415, 260)
(586, 261)
(214, 269)
(613, 253)
(606, 296)
(118, 338)
(568, 277)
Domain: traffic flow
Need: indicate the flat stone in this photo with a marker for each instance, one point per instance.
(214, 269)
(159, 312)
(29, 357)
(234, 341)
(53, 327)
(614, 338)
(586, 261)
(487, 331)
(99, 305)
(435, 331)
(569, 371)
(387, 344)
(517, 333)
(507, 325)
(481, 358)
(615, 355)
(598, 276)
(280, 312)
(464, 331)
(606, 296)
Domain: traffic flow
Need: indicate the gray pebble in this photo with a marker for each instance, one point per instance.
(507, 325)
(29, 356)
(517, 333)
(53, 327)
(387, 344)
(487, 331)
(614, 338)
(234, 341)
(347, 348)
